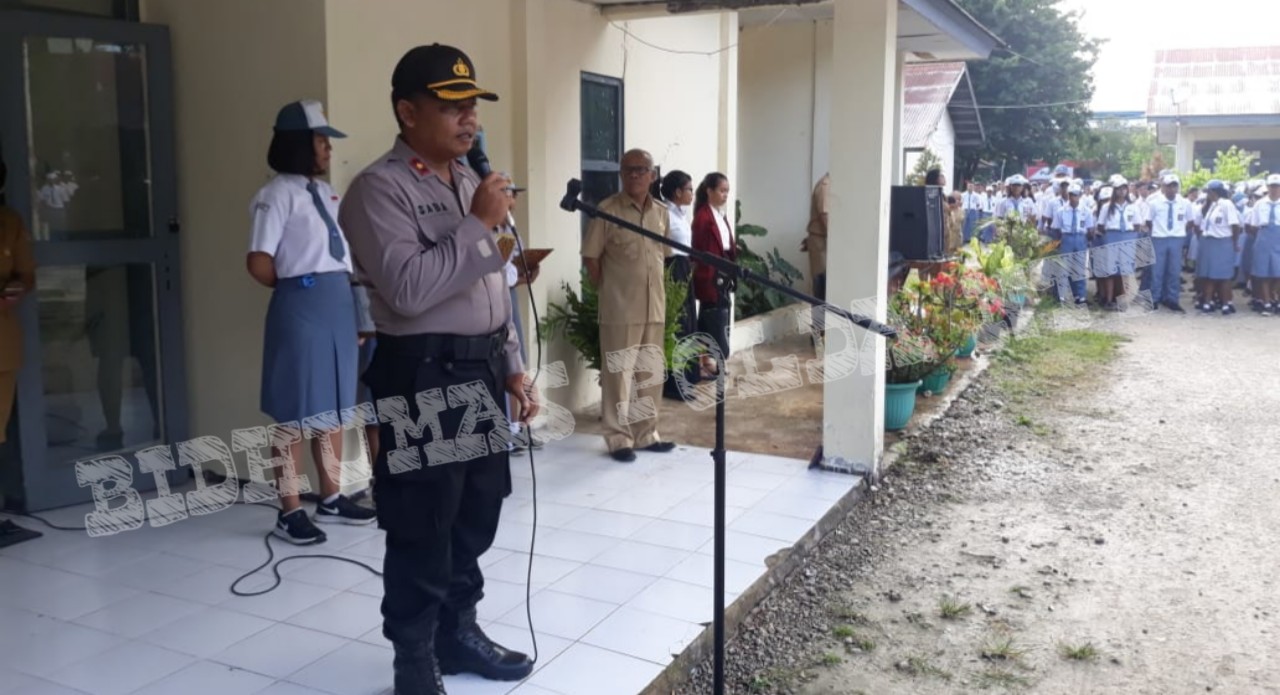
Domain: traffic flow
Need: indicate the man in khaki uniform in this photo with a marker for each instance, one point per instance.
(628, 270)
(816, 242)
(17, 278)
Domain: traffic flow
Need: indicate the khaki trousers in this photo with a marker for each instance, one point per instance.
(817, 246)
(630, 414)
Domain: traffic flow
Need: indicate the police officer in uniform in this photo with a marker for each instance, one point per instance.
(420, 226)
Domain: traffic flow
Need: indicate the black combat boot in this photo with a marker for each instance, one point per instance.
(416, 670)
(461, 646)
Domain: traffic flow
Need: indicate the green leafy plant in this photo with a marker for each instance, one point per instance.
(1231, 166)
(755, 299)
(578, 320)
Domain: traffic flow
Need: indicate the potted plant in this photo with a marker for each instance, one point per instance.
(913, 355)
(578, 320)
(937, 380)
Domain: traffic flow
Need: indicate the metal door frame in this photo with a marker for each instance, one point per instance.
(48, 486)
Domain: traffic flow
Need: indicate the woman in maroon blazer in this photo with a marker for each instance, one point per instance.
(712, 233)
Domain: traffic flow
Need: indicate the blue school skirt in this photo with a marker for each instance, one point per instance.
(1116, 255)
(309, 354)
(1266, 253)
(1217, 260)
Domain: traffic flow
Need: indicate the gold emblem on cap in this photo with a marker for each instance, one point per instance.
(460, 68)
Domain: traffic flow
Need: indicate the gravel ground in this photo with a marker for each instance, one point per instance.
(1128, 518)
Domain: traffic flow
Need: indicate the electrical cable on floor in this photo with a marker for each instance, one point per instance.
(533, 474)
(44, 521)
(275, 568)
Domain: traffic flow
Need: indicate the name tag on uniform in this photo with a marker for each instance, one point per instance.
(1181, 217)
(1217, 220)
(427, 209)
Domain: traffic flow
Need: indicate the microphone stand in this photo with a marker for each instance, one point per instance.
(727, 275)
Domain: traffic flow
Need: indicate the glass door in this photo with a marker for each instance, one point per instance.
(86, 129)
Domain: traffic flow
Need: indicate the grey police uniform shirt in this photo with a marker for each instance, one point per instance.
(430, 265)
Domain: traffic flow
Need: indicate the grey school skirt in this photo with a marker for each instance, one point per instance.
(310, 356)
(1217, 260)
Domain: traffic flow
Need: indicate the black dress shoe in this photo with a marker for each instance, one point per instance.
(468, 650)
(417, 672)
(625, 455)
(660, 447)
(1175, 307)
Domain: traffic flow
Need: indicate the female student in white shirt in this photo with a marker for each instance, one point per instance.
(1219, 232)
(1118, 223)
(1264, 225)
(309, 359)
(676, 190)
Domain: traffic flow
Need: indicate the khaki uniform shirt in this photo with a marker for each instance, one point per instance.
(632, 282)
(818, 207)
(16, 263)
(430, 265)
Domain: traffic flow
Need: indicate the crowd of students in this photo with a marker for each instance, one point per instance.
(1116, 232)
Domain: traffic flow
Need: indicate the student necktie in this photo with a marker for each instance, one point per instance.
(1271, 222)
(336, 248)
(1124, 227)
(1170, 224)
(1074, 212)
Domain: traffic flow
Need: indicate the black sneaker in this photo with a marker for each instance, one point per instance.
(1267, 309)
(1175, 307)
(1228, 309)
(661, 447)
(624, 455)
(344, 511)
(297, 528)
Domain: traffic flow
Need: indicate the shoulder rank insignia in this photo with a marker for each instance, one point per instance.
(418, 165)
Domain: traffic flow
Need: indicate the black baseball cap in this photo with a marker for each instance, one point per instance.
(443, 72)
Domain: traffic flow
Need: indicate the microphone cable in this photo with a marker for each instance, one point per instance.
(533, 474)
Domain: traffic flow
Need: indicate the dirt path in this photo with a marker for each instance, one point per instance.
(1127, 511)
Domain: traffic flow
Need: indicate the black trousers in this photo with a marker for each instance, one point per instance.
(440, 518)
(682, 271)
(714, 321)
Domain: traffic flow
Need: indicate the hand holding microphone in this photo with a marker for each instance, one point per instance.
(493, 201)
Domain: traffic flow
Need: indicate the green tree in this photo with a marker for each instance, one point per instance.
(1119, 148)
(1047, 66)
(928, 160)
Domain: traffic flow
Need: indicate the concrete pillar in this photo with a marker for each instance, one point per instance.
(862, 102)
(1184, 151)
(727, 155)
(899, 156)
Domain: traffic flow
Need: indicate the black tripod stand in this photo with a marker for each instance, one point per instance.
(727, 275)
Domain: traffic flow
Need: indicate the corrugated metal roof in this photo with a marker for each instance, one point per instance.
(930, 90)
(1215, 82)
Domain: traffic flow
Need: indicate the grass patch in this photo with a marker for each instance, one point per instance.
(830, 659)
(1002, 649)
(1080, 652)
(852, 638)
(1000, 678)
(844, 631)
(952, 609)
(1023, 592)
(848, 614)
(1042, 364)
(919, 666)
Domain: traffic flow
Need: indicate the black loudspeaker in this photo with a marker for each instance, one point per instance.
(916, 228)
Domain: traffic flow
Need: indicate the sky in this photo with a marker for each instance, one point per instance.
(1135, 29)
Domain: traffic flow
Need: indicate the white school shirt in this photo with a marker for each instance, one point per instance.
(1162, 210)
(1217, 222)
(1089, 204)
(1062, 219)
(1006, 207)
(1109, 216)
(1260, 215)
(1027, 208)
(726, 239)
(288, 227)
(679, 228)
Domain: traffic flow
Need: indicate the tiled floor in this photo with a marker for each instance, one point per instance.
(621, 583)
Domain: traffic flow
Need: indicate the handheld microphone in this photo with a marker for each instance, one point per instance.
(479, 162)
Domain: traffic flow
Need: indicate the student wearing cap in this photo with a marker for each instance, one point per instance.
(1071, 224)
(17, 280)
(1119, 223)
(309, 356)
(1170, 216)
(1264, 225)
(421, 226)
(1011, 204)
(1216, 265)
